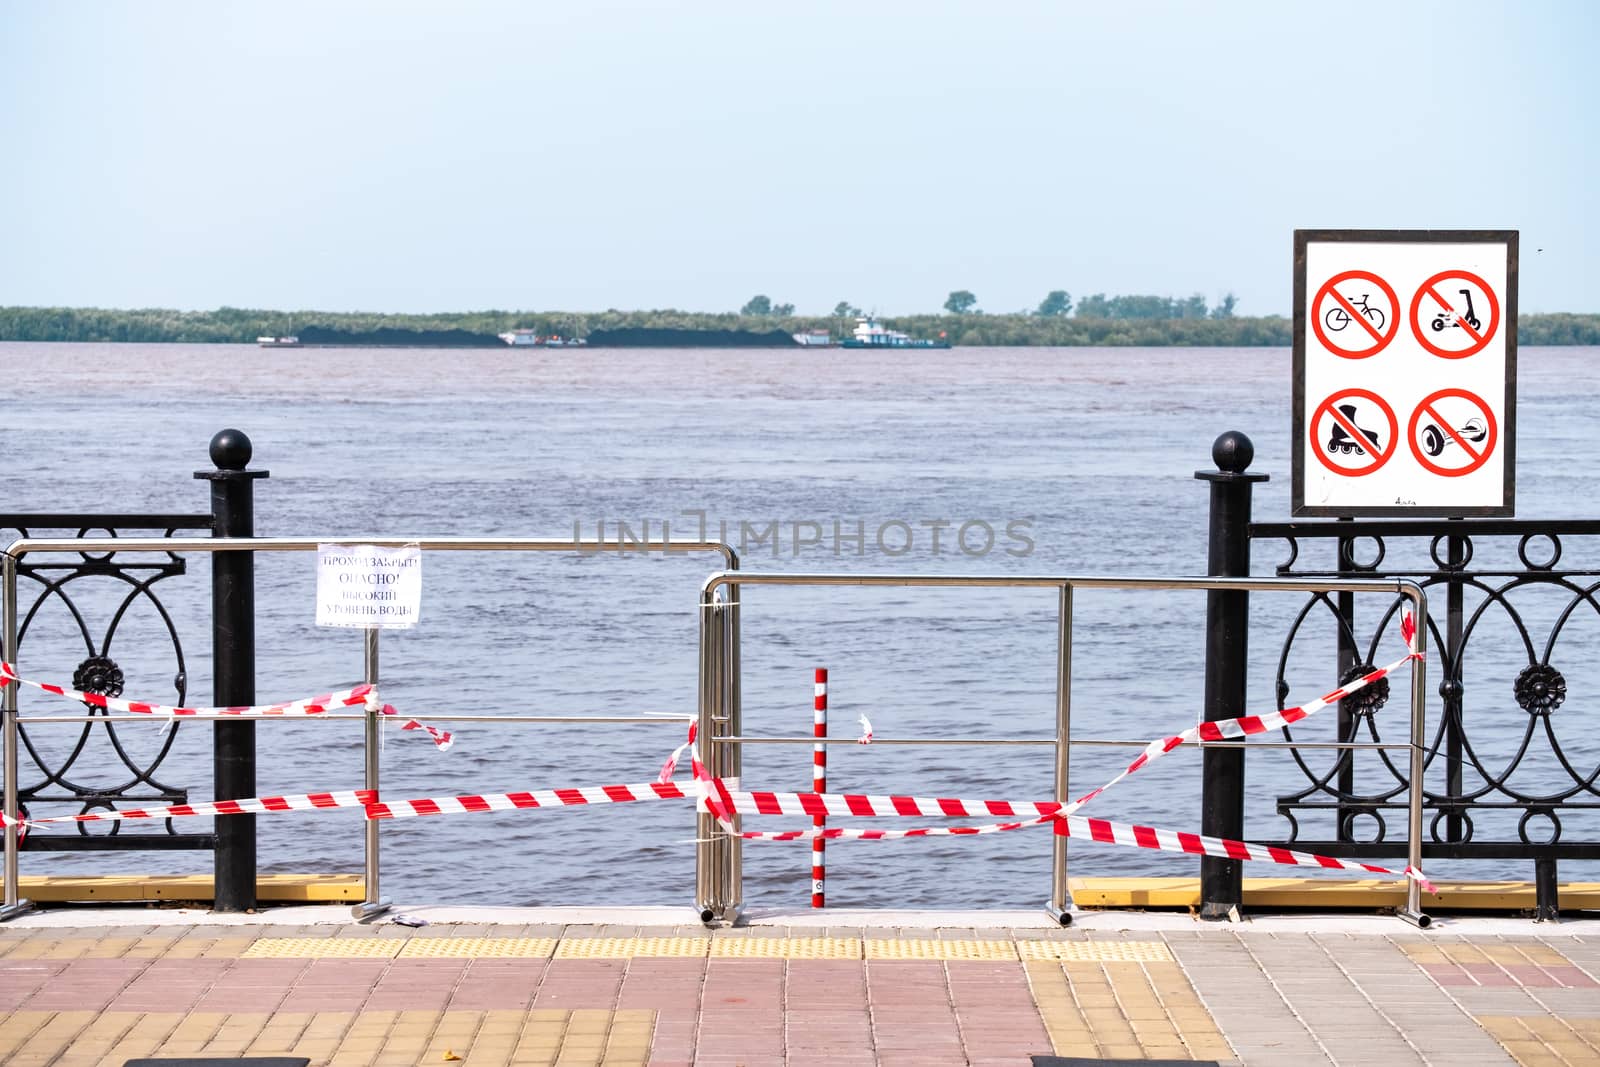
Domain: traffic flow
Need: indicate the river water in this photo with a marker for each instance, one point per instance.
(1078, 460)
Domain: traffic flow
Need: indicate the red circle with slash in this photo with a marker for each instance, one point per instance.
(1478, 336)
(1366, 330)
(1359, 441)
(1477, 452)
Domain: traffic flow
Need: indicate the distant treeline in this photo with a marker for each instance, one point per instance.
(241, 326)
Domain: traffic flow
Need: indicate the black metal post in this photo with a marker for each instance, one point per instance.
(1227, 653)
(1452, 689)
(1547, 906)
(1347, 656)
(233, 659)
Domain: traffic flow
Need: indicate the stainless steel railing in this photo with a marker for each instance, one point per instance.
(373, 904)
(719, 874)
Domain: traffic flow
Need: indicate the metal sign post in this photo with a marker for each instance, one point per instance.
(1405, 385)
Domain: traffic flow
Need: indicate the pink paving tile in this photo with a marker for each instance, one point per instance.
(1570, 977)
(1448, 974)
(1489, 974)
(1528, 974)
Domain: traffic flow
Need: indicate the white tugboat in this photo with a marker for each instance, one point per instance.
(870, 333)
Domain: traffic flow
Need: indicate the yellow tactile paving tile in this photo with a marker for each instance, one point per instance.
(1095, 951)
(1543, 1038)
(478, 948)
(1099, 1010)
(909, 948)
(787, 948)
(323, 948)
(608, 948)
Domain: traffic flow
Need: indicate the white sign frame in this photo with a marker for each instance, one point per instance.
(1398, 357)
(369, 587)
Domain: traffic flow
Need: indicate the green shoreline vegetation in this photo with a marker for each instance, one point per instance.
(1133, 321)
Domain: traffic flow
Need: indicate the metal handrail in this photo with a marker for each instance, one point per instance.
(13, 904)
(719, 866)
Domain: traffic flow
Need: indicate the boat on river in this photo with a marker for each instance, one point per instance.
(288, 341)
(870, 333)
(814, 339)
(532, 338)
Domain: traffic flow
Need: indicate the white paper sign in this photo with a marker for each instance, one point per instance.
(369, 587)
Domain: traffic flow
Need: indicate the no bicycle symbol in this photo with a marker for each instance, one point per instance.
(1454, 314)
(1354, 432)
(1452, 432)
(1355, 314)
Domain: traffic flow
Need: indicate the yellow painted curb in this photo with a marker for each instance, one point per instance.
(1324, 893)
(270, 888)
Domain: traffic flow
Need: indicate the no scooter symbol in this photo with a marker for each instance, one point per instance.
(1454, 314)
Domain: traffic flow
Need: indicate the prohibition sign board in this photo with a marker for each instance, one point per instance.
(1447, 368)
(1441, 299)
(1440, 434)
(1338, 430)
(1346, 320)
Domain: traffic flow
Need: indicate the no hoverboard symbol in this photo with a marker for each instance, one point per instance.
(1452, 433)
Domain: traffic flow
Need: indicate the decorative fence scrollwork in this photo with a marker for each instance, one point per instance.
(98, 593)
(1512, 766)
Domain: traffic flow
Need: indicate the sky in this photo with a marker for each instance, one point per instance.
(593, 154)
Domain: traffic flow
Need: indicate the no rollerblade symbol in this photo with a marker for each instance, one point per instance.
(1355, 314)
(1354, 432)
(1452, 432)
(1454, 314)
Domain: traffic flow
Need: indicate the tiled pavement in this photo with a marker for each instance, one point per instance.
(1297, 993)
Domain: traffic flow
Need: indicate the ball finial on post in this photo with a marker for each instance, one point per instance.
(1233, 452)
(230, 450)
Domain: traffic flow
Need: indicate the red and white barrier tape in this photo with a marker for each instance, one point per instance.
(349, 798)
(1250, 725)
(671, 765)
(310, 706)
(722, 802)
(539, 798)
(442, 739)
(318, 705)
(1119, 833)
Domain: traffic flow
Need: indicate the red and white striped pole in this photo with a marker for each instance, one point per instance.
(819, 784)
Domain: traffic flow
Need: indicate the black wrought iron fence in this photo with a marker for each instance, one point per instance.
(1513, 762)
(81, 606)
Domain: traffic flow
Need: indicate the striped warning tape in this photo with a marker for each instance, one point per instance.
(814, 804)
(539, 798)
(318, 705)
(1118, 833)
(1250, 725)
(349, 798)
(714, 795)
